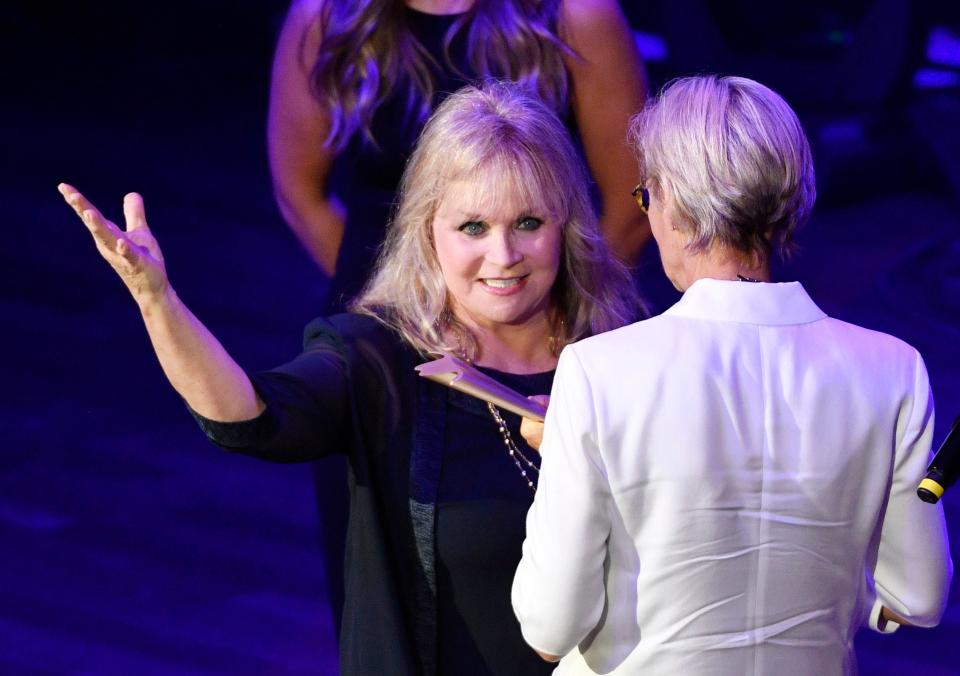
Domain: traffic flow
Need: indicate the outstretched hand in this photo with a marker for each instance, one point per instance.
(133, 253)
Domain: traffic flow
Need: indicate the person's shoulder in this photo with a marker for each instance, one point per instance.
(590, 17)
(373, 352)
(608, 342)
(627, 332)
(871, 342)
(306, 8)
(586, 12)
(348, 327)
(302, 20)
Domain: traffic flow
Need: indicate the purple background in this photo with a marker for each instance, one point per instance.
(130, 545)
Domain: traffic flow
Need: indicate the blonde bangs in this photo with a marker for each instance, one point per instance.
(511, 146)
(534, 188)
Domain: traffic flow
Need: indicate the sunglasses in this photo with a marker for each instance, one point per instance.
(642, 195)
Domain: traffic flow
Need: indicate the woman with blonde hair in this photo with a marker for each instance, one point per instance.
(479, 143)
(353, 83)
(493, 253)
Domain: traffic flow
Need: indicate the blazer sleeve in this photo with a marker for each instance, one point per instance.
(913, 570)
(558, 591)
(307, 413)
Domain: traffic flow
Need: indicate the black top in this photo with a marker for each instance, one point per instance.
(481, 515)
(437, 506)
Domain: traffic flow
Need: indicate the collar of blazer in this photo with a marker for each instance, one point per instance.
(765, 303)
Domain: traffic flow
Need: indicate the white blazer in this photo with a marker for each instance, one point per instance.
(729, 488)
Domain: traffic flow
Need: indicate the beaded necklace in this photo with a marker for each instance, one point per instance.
(518, 457)
(527, 468)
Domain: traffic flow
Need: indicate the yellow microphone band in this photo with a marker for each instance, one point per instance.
(932, 486)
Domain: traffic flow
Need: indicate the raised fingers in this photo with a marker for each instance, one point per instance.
(78, 202)
(104, 232)
(73, 197)
(133, 211)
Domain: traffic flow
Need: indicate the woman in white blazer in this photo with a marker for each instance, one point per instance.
(728, 488)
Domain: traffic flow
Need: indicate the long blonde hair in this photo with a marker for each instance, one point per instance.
(502, 138)
(368, 53)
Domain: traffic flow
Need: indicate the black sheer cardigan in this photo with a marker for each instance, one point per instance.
(354, 390)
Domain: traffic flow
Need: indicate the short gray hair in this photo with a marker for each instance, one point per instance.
(501, 137)
(733, 156)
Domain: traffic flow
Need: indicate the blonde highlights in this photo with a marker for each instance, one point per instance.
(503, 139)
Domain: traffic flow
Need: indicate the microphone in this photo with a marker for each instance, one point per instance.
(943, 470)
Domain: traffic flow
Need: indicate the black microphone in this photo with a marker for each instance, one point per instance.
(943, 471)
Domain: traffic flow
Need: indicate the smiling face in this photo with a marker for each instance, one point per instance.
(499, 256)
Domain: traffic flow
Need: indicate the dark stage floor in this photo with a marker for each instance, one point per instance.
(128, 545)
